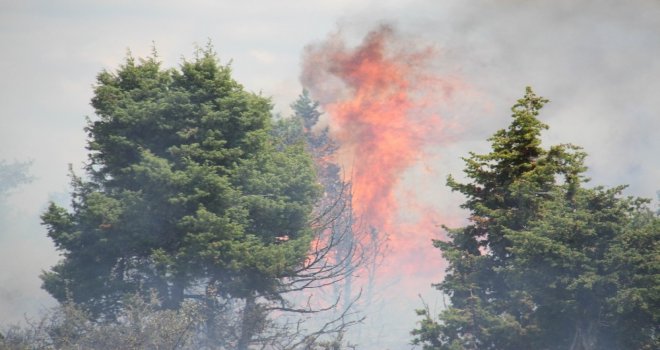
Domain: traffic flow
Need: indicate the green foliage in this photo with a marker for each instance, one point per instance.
(306, 110)
(544, 263)
(590, 266)
(13, 175)
(140, 325)
(187, 187)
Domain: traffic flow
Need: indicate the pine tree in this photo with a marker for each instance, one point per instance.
(506, 188)
(588, 264)
(504, 266)
(186, 193)
(336, 201)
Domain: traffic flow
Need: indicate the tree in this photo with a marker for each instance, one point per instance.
(539, 250)
(337, 192)
(336, 253)
(589, 266)
(141, 325)
(187, 194)
(13, 175)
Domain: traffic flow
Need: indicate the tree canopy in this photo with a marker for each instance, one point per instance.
(544, 262)
(187, 192)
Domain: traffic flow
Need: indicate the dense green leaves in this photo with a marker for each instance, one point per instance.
(187, 189)
(545, 263)
(590, 265)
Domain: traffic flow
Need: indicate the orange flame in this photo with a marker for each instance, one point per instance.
(378, 98)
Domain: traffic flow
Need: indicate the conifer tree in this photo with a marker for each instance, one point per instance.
(187, 193)
(516, 277)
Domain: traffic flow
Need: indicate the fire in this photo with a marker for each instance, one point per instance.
(379, 99)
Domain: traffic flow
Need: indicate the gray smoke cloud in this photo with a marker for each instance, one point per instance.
(596, 61)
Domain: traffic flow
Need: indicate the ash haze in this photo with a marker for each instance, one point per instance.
(597, 61)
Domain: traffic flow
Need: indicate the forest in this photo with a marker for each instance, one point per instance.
(203, 220)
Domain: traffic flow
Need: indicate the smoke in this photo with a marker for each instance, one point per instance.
(19, 291)
(389, 108)
(596, 61)
(382, 99)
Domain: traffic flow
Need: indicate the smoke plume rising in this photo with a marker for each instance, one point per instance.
(381, 101)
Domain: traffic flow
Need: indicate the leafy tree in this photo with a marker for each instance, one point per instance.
(188, 193)
(541, 264)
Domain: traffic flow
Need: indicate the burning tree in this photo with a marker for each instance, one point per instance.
(382, 101)
(545, 263)
(337, 198)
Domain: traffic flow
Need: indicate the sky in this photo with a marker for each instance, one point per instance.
(597, 61)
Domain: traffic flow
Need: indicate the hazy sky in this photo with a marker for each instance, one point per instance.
(597, 61)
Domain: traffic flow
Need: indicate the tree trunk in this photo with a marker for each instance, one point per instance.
(176, 294)
(248, 323)
(584, 337)
(211, 309)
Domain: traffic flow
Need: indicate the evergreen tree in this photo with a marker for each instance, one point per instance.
(501, 284)
(337, 194)
(13, 175)
(187, 193)
(589, 266)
